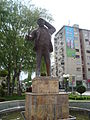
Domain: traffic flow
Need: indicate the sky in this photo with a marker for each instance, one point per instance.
(67, 12)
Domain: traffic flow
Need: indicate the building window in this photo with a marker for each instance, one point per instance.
(88, 63)
(61, 43)
(88, 69)
(55, 48)
(88, 51)
(86, 40)
(83, 69)
(62, 63)
(88, 57)
(77, 50)
(88, 46)
(78, 69)
(84, 77)
(56, 73)
(55, 42)
(86, 35)
(78, 63)
(77, 56)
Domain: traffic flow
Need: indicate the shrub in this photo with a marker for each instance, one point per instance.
(81, 89)
(78, 97)
(2, 99)
(2, 92)
(29, 89)
(3, 73)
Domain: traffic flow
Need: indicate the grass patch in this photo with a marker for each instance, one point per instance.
(13, 97)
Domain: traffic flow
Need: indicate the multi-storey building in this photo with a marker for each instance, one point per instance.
(72, 53)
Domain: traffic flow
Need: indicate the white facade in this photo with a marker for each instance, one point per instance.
(69, 42)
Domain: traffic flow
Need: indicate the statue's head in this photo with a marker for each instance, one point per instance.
(41, 22)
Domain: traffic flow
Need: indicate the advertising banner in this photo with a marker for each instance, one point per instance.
(70, 46)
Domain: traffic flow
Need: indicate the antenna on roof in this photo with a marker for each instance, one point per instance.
(68, 22)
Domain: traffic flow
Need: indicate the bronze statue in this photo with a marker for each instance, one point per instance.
(43, 45)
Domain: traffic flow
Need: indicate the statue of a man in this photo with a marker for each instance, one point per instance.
(43, 45)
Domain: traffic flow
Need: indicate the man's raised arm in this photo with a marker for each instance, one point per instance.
(50, 27)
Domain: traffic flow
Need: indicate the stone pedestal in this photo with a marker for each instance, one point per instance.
(45, 102)
(45, 85)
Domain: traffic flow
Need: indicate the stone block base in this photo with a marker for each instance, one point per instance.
(46, 106)
(45, 85)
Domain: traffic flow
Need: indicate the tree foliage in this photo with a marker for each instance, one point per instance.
(3, 73)
(16, 54)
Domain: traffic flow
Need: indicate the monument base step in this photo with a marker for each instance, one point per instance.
(46, 106)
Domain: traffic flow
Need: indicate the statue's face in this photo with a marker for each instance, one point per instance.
(41, 22)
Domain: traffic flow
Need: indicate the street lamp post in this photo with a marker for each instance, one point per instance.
(72, 86)
(66, 76)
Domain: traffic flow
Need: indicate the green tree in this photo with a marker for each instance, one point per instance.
(16, 54)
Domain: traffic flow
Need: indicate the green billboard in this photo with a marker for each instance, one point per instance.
(70, 46)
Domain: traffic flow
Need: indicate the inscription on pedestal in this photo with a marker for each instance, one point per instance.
(45, 85)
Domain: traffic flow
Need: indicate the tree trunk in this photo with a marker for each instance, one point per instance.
(8, 83)
(19, 91)
(18, 84)
(13, 81)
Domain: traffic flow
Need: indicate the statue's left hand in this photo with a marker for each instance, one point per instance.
(28, 37)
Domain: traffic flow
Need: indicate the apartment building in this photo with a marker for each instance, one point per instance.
(72, 54)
